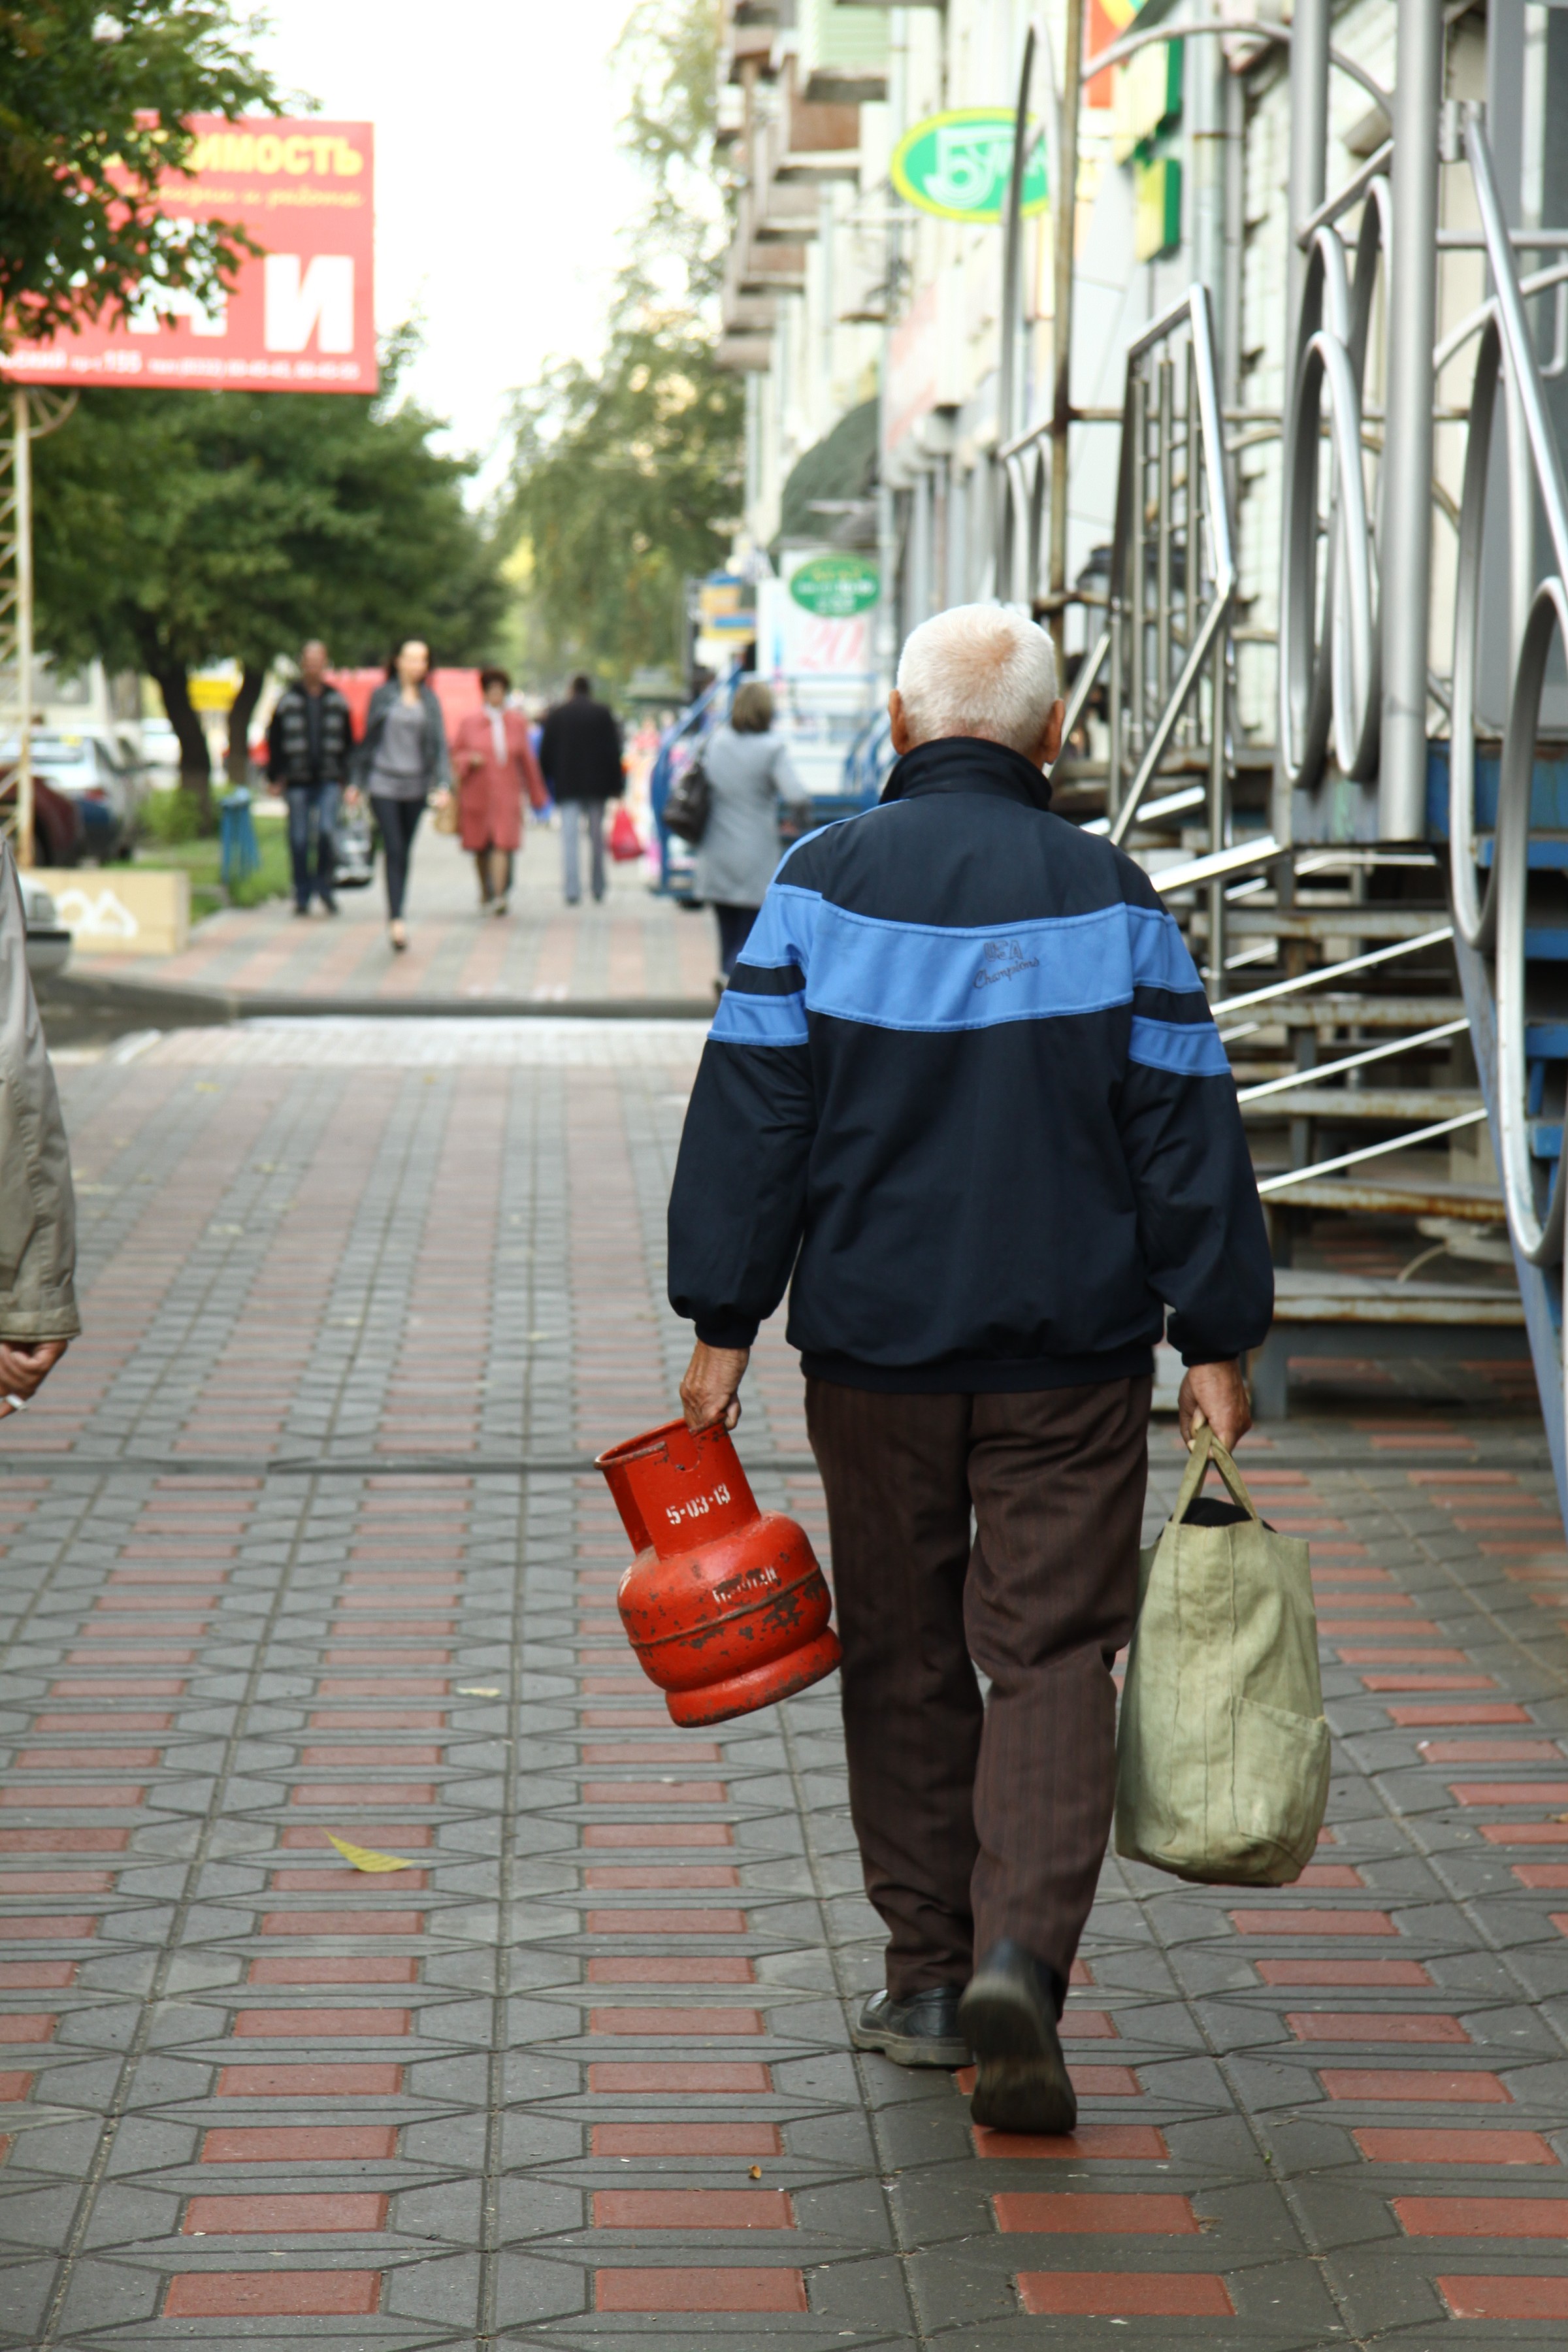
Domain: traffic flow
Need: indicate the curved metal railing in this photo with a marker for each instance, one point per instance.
(1498, 920)
(1330, 677)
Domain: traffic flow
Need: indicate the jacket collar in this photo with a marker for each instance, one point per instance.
(967, 763)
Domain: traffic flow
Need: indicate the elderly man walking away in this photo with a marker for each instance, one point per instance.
(965, 1083)
(309, 745)
(580, 753)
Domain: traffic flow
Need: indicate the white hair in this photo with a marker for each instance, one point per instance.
(978, 669)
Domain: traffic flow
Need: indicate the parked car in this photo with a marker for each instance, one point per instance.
(89, 769)
(48, 942)
(57, 826)
(160, 754)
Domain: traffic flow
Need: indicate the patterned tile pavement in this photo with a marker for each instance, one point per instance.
(636, 947)
(300, 1544)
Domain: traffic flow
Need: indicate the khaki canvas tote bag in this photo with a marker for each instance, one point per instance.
(1222, 1752)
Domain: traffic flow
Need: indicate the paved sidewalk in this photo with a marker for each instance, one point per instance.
(581, 2073)
(636, 948)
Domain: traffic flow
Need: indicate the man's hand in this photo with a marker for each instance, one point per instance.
(1215, 1393)
(24, 1365)
(711, 1390)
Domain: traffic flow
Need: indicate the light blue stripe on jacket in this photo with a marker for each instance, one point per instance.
(930, 978)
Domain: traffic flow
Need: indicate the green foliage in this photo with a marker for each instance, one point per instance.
(202, 859)
(93, 104)
(627, 478)
(202, 526)
(627, 474)
(176, 528)
(171, 818)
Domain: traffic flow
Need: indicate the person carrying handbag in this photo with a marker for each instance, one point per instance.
(402, 761)
(493, 759)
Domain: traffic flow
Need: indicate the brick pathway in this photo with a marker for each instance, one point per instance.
(299, 1544)
(636, 947)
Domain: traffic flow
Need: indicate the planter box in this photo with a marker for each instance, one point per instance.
(123, 910)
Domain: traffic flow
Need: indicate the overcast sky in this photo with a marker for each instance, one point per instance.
(499, 188)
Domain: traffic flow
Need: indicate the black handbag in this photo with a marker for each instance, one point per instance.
(687, 810)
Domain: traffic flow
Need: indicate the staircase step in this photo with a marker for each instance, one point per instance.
(1341, 922)
(1420, 1104)
(1327, 1008)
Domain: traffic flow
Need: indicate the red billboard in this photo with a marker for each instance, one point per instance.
(301, 315)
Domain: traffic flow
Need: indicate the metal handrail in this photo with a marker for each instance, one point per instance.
(1294, 1081)
(1282, 1183)
(1322, 971)
(1502, 917)
(1192, 311)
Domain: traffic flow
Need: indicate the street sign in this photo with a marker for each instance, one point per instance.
(301, 317)
(834, 587)
(957, 164)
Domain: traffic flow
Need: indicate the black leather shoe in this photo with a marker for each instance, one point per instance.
(1009, 2013)
(921, 2032)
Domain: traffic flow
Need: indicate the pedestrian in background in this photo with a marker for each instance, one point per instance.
(580, 753)
(402, 761)
(38, 1316)
(749, 772)
(309, 745)
(492, 754)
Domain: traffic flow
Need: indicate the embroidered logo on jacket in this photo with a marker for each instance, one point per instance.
(1004, 960)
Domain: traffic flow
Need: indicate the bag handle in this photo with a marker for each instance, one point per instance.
(1206, 1448)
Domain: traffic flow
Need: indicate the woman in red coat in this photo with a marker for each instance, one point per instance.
(493, 762)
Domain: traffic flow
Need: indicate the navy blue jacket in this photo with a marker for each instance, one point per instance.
(964, 1082)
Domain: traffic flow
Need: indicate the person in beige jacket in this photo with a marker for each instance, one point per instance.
(38, 1316)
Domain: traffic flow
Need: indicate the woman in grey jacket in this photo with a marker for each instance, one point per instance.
(402, 762)
(749, 772)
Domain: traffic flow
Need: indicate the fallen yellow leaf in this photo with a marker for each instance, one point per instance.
(363, 1858)
(477, 1690)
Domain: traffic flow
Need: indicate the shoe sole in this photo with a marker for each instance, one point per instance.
(911, 2050)
(1021, 2081)
(1030, 2095)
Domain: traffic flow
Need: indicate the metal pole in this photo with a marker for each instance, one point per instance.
(1007, 422)
(1064, 224)
(1206, 147)
(22, 460)
(1308, 154)
(1406, 535)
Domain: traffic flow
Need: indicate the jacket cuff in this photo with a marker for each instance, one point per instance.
(26, 1326)
(734, 1334)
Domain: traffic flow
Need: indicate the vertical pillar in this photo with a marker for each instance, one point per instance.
(1308, 154)
(21, 481)
(1064, 222)
(1204, 104)
(1407, 459)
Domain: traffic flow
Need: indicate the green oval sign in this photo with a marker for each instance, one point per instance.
(835, 586)
(957, 164)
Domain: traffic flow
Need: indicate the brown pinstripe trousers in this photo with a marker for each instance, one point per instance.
(978, 1821)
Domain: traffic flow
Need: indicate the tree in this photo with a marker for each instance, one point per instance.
(93, 108)
(627, 474)
(177, 529)
(626, 477)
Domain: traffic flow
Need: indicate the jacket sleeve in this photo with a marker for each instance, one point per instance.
(549, 736)
(738, 1205)
(1200, 1221)
(37, 1204)
(274, 748)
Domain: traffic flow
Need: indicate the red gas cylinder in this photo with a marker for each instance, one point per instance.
(725, 1605)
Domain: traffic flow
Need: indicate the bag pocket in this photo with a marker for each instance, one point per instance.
(1280, 1790)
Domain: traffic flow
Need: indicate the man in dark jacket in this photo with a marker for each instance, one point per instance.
(307, 747)
(580, 753)
(965, 1084)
